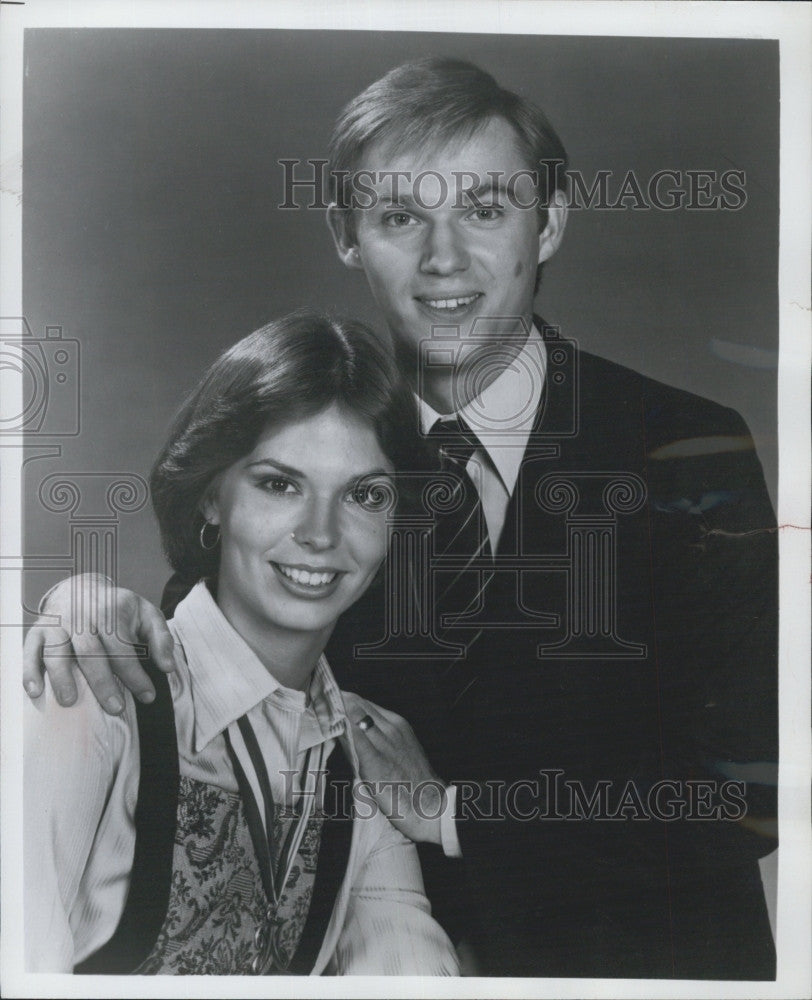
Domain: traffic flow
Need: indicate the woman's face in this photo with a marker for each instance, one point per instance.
(300, 541)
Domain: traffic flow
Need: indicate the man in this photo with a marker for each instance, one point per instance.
(593, 666)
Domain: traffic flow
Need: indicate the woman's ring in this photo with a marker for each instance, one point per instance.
(366, 723)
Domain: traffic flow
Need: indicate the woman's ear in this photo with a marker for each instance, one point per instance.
(341, 227)
(209, 507)
(553, 233)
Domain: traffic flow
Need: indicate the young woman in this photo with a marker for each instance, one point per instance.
(222, 840)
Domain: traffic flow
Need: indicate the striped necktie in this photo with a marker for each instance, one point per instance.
(460, 543)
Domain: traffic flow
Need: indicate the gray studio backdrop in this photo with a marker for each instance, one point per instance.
(153, 237)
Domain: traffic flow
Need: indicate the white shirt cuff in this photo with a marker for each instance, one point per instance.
(448, 825)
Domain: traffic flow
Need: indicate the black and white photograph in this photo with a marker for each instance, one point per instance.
(405, 499)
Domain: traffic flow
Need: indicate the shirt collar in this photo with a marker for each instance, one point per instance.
(327, 706)
(215, 649)
(503, 414)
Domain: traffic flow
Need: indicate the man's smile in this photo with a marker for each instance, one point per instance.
(447, 303)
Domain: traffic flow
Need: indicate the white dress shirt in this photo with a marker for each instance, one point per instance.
(81, 779)
(502, 417)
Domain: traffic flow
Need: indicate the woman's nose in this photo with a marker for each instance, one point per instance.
(318, 528)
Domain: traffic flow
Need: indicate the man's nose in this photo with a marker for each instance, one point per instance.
(318, 528)
(444, 250)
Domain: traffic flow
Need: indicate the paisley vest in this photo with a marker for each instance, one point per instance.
(196, 903)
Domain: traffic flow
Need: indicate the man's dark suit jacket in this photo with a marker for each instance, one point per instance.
(661, 665)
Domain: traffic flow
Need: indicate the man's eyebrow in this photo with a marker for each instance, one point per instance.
(458, 192)
(490, 187)
(403, 200)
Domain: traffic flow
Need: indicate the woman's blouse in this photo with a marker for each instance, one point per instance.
(81, 779)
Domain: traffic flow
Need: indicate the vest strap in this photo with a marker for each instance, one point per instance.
(155, 822)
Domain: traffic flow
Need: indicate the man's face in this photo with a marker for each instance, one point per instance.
(434, 256)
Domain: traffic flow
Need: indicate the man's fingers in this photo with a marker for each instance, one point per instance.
(360, 706)
(155, 633)
(375, 745)
(126, 665)
(91, 658)
(57, 657)
(366, 724)
(362, 715)
(101, 625)
(378, 729)
(32, 662)
(377, 754)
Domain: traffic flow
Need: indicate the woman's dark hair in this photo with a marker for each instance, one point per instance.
(290, 369)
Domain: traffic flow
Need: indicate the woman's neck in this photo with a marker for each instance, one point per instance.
(289, 655)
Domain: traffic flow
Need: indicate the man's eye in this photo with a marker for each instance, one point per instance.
(398, 220)
(486, 214)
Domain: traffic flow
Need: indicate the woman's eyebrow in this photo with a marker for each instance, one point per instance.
(372, 472)
(289, 470)
(273, 463)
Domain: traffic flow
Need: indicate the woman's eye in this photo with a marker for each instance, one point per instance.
(374, 495)
(398, 220)
(278, 485)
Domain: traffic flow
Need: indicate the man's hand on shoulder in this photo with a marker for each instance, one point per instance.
(400, 778)
(89, 623)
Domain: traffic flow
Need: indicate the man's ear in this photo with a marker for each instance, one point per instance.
(343, 233)
(553, 233)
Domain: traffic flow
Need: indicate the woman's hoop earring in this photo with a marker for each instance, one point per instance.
(293, 535)
(212, 545)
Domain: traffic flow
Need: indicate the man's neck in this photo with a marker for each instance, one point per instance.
(448, 388)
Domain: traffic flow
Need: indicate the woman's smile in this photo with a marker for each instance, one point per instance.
(306, 581)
